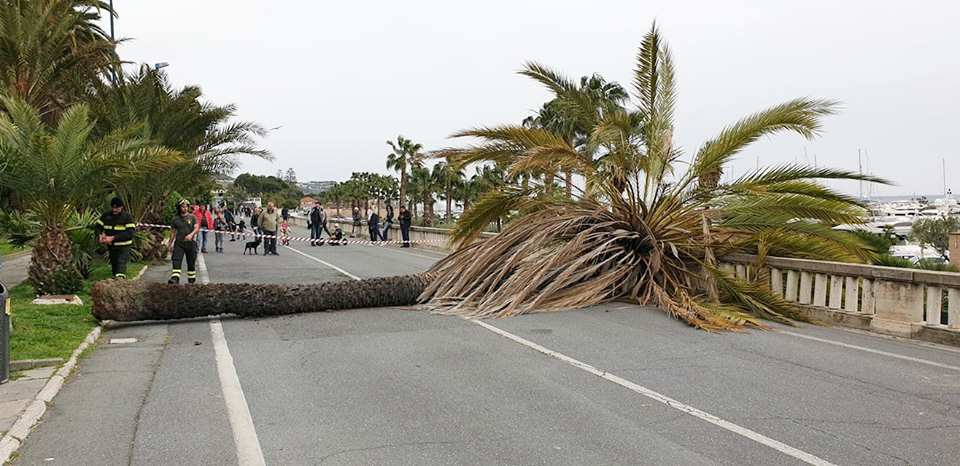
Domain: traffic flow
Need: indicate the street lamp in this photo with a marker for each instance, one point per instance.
(157, 66)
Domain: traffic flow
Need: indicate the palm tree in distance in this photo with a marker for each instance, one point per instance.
(405, 154)
(640, 229)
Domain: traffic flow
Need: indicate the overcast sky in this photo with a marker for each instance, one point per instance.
(341, 78)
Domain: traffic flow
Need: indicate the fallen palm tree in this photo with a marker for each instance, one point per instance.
(127, 300)
(640, 228)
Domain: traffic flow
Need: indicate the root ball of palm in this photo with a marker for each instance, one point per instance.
(124, 300)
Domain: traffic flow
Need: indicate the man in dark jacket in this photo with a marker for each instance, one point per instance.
(315, 224)
(115, 229)
(388, 224)
(373, 224)
(405, 220)
(231, 222)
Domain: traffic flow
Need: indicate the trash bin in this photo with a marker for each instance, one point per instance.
(4, 333)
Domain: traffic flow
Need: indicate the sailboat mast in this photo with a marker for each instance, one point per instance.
(860, 168)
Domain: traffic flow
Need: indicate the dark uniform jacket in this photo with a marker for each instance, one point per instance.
(120, 226)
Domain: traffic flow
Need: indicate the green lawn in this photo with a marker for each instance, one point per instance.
(6, 248)
(53, 331)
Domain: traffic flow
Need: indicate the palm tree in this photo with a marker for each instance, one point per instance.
(209, 141)
(51, 50)
(405, 154)
(639, 230)
(56, 171)
(448, 175)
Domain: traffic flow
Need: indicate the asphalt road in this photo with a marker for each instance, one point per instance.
(614, 384)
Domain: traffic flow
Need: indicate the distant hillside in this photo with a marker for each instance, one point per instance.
(315, 187)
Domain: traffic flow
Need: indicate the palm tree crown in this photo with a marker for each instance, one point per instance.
(638, 229)
(405, 153)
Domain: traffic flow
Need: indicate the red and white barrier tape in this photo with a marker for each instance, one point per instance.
(300, 238)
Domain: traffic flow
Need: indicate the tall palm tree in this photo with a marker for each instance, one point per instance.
(51, 50)
(640, 230)
(448, 175)
(56, 171)
(405, 154)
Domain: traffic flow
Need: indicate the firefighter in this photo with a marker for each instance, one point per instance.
(182, 243)
(115, 229)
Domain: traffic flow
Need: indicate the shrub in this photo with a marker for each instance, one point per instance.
(67, 281)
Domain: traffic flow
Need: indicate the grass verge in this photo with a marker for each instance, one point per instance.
(6, 248)
(53, 331)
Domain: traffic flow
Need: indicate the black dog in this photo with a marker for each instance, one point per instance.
(252, 246)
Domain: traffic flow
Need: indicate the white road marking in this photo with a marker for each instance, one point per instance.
(120, 341)
(874, 351)
(241, 422)
(743, 431)
(338, 269)
(244, 433)
(421, 255)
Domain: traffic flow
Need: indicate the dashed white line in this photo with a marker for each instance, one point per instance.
(238, 412)
(737, 429)
(244, 433)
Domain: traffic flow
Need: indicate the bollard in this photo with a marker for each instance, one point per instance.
(4, 333)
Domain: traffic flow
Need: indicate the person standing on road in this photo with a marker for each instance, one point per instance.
(115, 229)
(357, 220)
(314, 224)
(231, 222)
(285, 214)
(183, 230)
(255, 220)
(219, 225)
(206, 223)
(323, 222)
(269, 221)
(373, 224)
(389, 223)
(405, 221)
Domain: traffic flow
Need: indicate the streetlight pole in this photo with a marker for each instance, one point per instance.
(113, 69)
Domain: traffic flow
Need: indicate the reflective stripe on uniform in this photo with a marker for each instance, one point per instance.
(123, 243)
(121, 275)
(118, 228)
(175, 273)
(108, 227)
(131, 225)
(191, 274)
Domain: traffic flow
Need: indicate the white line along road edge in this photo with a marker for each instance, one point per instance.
(241, 423)
(338, 269)
(743, 431)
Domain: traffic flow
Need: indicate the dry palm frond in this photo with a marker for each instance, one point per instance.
(639, 231)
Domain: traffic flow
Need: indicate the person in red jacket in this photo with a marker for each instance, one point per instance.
(206, 223)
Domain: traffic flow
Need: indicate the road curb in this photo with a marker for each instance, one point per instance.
(14, 438)
(18, 255)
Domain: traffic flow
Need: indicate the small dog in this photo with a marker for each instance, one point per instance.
(252, 246)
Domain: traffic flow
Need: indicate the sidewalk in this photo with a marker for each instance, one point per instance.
(24, 400)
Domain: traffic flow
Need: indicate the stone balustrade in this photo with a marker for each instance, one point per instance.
(910, 303)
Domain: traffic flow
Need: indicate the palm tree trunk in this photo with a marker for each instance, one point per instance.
(568, 179)
(403, 185)
(51, 253)
(449, 194)
(127, 300)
